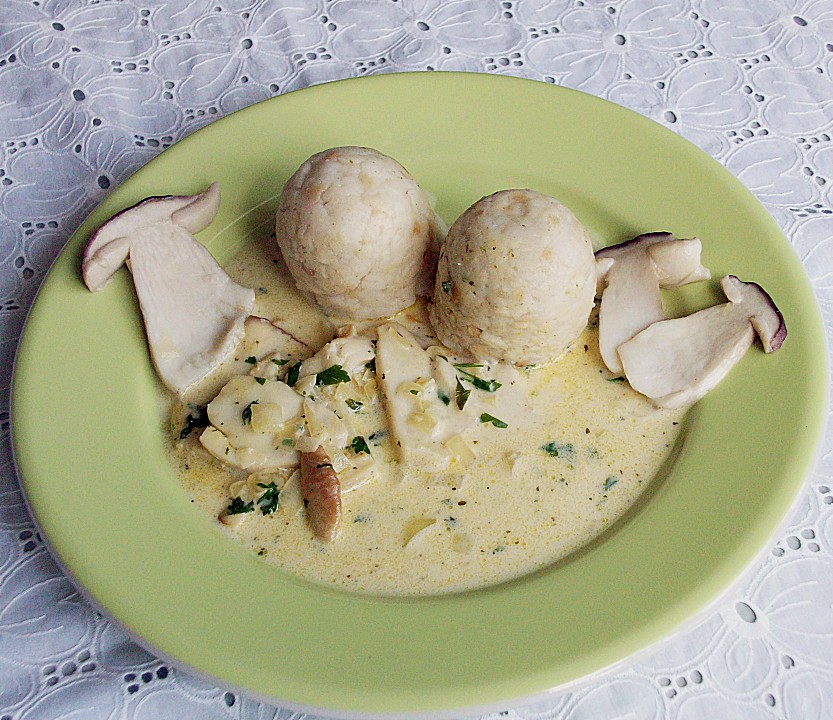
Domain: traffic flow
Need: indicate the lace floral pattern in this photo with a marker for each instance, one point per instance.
(91, 90)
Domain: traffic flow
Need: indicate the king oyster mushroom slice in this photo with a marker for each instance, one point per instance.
(676, 362)
(273, 348)
(192, 311)
(629, 278)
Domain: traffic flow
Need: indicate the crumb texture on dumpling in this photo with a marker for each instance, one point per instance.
(358, 235)
(515, 280)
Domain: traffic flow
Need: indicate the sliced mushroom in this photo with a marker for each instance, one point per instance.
(629, 278)
(192, 311)
(419, 402)
(676, 362)
(250, 422)
(274, 349)
(322, 494)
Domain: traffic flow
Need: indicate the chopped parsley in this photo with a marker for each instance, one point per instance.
(354, 405)
(462, 395)
(371, 365)
(553, 449)
(486, 418)
(616, 379)
(238, 507)
(610, 482)
(292, 375)
(443, 396)
(246, 415)
(268, 501)
(260, 380)
(359, 445)
(280, 361)
(197, 418)
(479, 383)
(446, 286)
(333, 375)
(251, 359)
(414, 392)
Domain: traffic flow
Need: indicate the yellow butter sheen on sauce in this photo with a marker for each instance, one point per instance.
(564, 471)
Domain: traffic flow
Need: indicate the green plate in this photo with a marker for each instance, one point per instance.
(89, 448)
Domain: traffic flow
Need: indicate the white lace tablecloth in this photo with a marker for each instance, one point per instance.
(91, 90)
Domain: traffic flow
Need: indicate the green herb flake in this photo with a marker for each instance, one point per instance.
(443, 396)
(468, 365)
(486, 418)
(616, 379)
(238, 507)
(268, 501)
(292, 375)
(251, 359)
(354, 405)
(197, 418)
(246, 415)
(333, 375)
(479, 383)
(359, 445)
(260, 380)
(280, 362)
(610, 482)
(414, 392)
(446, 286)
(462, 395)
(287, 442)
(378, 437)
(551, 449)
(371, 365)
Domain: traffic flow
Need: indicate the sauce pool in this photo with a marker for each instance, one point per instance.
(579, 449)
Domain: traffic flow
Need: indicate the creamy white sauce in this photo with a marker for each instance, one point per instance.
(570, 463)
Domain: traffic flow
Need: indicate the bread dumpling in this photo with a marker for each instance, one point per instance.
(516, 279)
(358, 235)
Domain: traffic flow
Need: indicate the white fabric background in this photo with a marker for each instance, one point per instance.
(93, 89)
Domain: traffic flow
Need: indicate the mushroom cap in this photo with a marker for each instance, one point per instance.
(515, 281)
(357, 233)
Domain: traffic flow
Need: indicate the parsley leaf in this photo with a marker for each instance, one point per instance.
(333, 375)
(610, 482)
(197, 418)
(260, 380)
(280, 362)
(443, 395)
(616, 379)
(371, 365)
(553, 449)
(246, 415)
(446, 286)
(359, 445)
(292, 375)
(268, 501)
(354, 405)
(251, 359)
(462, 395)
(479, 383)
(486, 418)
(238, 507)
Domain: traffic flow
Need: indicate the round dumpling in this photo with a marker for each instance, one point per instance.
(358, 235)
(516, 279)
